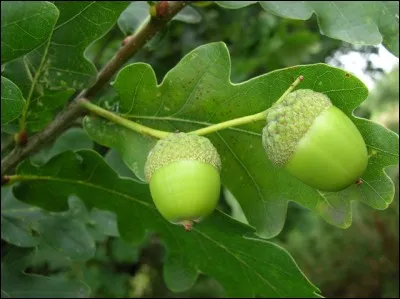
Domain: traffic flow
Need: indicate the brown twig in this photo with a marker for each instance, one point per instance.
(7, 143)
(74, 110)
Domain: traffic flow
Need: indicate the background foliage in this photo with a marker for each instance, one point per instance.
(89, 257)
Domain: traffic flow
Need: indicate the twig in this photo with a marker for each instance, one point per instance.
(7, 143)
(74, 110)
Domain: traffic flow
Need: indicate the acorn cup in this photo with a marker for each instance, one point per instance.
(314, 141)
(183, 171)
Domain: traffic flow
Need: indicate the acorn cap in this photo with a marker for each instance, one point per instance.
(181, 146)
(289, 120)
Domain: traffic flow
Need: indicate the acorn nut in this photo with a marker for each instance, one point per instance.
(314, 141)
(183, 171)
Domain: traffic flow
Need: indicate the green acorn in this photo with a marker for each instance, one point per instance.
(183, 171)
(314, 141)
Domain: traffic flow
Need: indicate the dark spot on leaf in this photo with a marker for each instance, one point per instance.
(347, 75)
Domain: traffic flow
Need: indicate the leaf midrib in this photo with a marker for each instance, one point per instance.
(87, 184)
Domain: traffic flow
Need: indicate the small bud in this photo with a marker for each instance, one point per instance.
(126, 40)
(21, 138)
(162, 9)
(153, 11)
(4, 179)
(159, 10)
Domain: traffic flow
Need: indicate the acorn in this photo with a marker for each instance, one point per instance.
(183, 171)
(314, 141)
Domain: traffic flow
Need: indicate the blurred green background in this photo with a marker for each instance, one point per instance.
(361, 261)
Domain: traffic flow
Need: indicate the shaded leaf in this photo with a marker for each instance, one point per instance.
(108, 283)
(137, 12)
(177, 275)
(12, 101)
(243, 264)
(68, 233)
(18, 72)
(188, 15)
(16, 284)
(124, 252)
(18, 220)
(134, 15)
(198, 92)
(115, 161)
(102, 224)
(72, 139)
(25, 25)
(360, 22)
(68, 236)
(45, 255)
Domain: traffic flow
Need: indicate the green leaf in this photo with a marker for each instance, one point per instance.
(219, 246)
(60, 61)
(18, 72)
(12, 101)
(109, 284)
(41, 111)
(80, 24)
(69, 233)
(124, 252)
(16, 284)
(131, 146)
(360, 23)
(25, 26)
(198, 92)
(18, 220)
(177, 275)
(102, 224)
(45, 255)
(115, 161)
